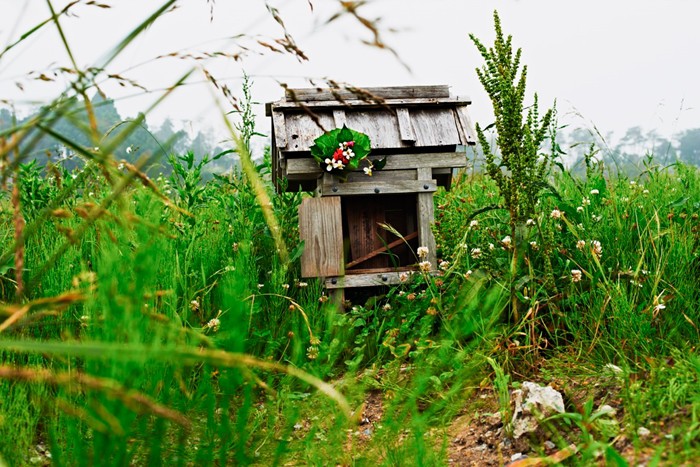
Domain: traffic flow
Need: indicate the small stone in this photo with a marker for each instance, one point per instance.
(548, 445)
(614, 369)
(606, 409)
(643, 432)
(517, 456)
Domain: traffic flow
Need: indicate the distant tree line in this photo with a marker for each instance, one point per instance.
(634, 145)
(70, 124)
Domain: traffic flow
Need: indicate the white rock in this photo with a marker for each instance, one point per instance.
(643, 432)
(532, 403)
(614, 369)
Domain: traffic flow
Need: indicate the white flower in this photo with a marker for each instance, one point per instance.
(474, 224)
(491, 246)
(422, 251)
(533, 244)
(646, 192)
(120, 166)
(468, 274)
(585, 201)
(595, 191)
(659, 307)
(596, 248)
(579, 209)
(425, 266)
(506, 241)
(576, 275)
(285, 286)
(444, 265)
(368, 171)
(403, 277)
(476, 252)
(632, 182)
(530, 222)
(213, 324)
(129, 149)
(581, 244)
(556, 214)
(301, 285)
(386, 307)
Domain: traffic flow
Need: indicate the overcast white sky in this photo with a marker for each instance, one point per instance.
(612, 63)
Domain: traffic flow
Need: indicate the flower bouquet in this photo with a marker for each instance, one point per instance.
(342, 150)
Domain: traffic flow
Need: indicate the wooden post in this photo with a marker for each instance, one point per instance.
(426, 213)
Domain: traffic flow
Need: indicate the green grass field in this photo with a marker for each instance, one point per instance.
(150, 319)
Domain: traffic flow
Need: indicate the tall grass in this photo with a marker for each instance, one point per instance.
(157, 319)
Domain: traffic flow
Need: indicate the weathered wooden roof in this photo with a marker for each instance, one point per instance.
(395, 118)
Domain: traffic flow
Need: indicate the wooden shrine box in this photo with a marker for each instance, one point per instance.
(422, 131)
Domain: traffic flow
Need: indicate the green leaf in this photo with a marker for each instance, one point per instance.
(345, 134)
(379, 164)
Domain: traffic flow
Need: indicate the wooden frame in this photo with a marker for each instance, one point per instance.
(420, 130)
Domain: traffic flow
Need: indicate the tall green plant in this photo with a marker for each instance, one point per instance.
(518, 165)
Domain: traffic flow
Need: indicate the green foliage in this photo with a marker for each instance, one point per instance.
(326, 145)
(520, 173)
(162, 324)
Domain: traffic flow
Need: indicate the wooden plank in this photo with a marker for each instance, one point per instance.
(435, 127)
(339, 118)
(302, 130)
(465, 124)
(378, 188)
(426, 215)
(307, 166)
(384, 248)
(356, 104)
(364, 280)
(279, 129)
(393, 92)
(384, 175)
(405, 126)
(320, 227)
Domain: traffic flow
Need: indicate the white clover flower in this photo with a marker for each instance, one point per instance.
(491, 246)
(556, 214)
(576, 275)
(403, 277)
(213, 324)
(302, 285)
(533, 244)
(530, 222)
(422, 251)
(585, 201)
(579, 209)
(468, 274)
(506, 241)
(474, 224)
(476, 253)
(425, 266)
(596, 248)
(444, 265)
(581, 244)
(594, 191)
(386, 307)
